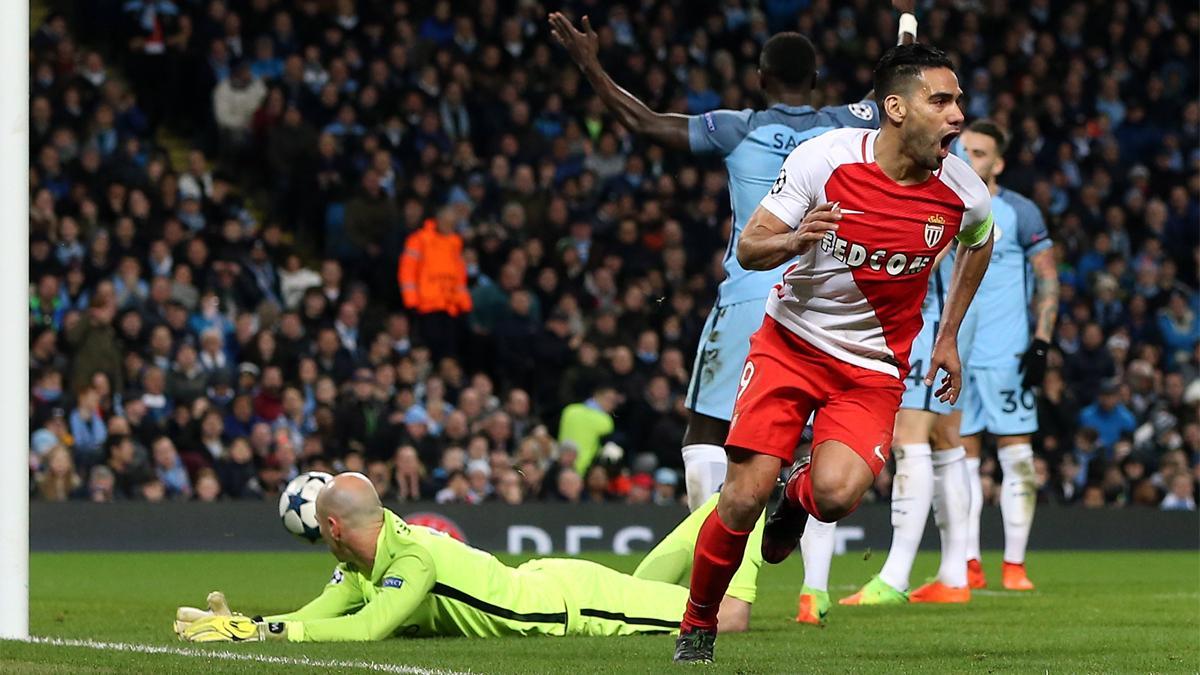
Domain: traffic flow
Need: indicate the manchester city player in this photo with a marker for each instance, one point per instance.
(1006, 364)
(930, 471)
(401, 580)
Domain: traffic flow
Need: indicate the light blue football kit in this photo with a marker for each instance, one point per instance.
(754, 144)
(993, 398)
(918, 396)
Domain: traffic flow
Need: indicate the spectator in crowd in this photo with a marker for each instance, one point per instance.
(543, 253)
(1108, 416)
(59, 480)
(169, 469)
(101, 486)
(588, 423)
(128, 470)
(234, 101)
(208, 486)
(1181, 497)
(88, 431)
(93, 341)
(433, 282)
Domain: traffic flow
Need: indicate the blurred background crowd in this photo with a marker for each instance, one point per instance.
(404, 238)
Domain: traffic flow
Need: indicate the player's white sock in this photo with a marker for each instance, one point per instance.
(1018, 497)
(912, 493)
(816, 546)
(951, 504)
(703, 472)
(976, 508)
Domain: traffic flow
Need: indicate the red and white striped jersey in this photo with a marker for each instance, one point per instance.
(857, 294)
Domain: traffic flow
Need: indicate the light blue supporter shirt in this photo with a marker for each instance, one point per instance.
(754, 144)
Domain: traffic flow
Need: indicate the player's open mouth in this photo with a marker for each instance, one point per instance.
(945, 143)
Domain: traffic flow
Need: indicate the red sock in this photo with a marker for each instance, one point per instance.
(718, 554)
(800, 491)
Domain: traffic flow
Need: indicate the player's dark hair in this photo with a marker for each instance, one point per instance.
(992, 130)
(902, 64)
(789, 59)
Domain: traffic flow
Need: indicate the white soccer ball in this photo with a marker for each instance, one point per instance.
(298, 505)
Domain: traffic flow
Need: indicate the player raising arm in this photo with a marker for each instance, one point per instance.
(396, 579)
(866, 213)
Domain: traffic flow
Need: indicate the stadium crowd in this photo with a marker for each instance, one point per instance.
(405, 239)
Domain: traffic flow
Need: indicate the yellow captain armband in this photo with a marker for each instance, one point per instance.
(976, 235)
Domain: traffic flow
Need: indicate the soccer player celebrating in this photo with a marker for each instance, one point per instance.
(866, 212)
(754, 144)
(1006, 365)
(396, 579)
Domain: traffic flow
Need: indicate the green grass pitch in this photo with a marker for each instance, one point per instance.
(1092, 612)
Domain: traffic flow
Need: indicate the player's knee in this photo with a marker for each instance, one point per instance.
(740, 506)
(835, 496)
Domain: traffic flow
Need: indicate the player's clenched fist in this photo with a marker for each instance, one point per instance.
(816, 223)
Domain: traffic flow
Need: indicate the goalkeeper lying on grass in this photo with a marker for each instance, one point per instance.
(397, 579)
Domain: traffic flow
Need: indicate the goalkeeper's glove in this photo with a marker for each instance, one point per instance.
(185, 616)
(233, 629)
(1033, 363)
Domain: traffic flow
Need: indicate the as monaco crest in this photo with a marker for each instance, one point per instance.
(934, 227)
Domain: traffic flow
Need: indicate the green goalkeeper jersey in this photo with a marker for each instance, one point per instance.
(426, 583)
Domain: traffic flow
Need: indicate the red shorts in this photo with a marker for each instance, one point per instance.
(785, 379)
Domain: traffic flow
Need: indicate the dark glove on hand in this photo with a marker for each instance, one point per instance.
(1033, 364)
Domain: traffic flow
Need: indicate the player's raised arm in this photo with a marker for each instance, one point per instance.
(583, 46)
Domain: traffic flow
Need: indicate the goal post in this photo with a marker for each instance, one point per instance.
(14, 330)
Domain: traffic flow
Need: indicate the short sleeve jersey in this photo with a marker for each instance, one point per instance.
(754, 144)
(857, 294)
(1005, 291)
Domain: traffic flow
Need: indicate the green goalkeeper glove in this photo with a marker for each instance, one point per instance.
(233, 629)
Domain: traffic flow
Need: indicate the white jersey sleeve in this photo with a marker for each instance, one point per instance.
(976, 227)
(798, 187)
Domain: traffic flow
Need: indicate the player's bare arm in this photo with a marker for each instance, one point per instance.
(969, 267)
(768, 242)
(1045, 296)
(583, 46)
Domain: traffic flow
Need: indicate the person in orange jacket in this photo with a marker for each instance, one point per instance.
(433, 282)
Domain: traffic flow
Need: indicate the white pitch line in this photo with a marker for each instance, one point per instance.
(233, 656)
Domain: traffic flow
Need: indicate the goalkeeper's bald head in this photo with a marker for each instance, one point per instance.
(350, 514)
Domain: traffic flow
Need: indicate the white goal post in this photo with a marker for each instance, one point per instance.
(14, 331)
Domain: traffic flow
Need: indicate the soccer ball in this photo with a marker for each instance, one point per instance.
(298, 505)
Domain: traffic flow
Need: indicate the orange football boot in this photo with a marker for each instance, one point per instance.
(1014, 578)
(813, 605)
(975, 575)
(937, 592)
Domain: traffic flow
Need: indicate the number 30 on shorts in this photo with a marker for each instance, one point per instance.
(747, 374)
